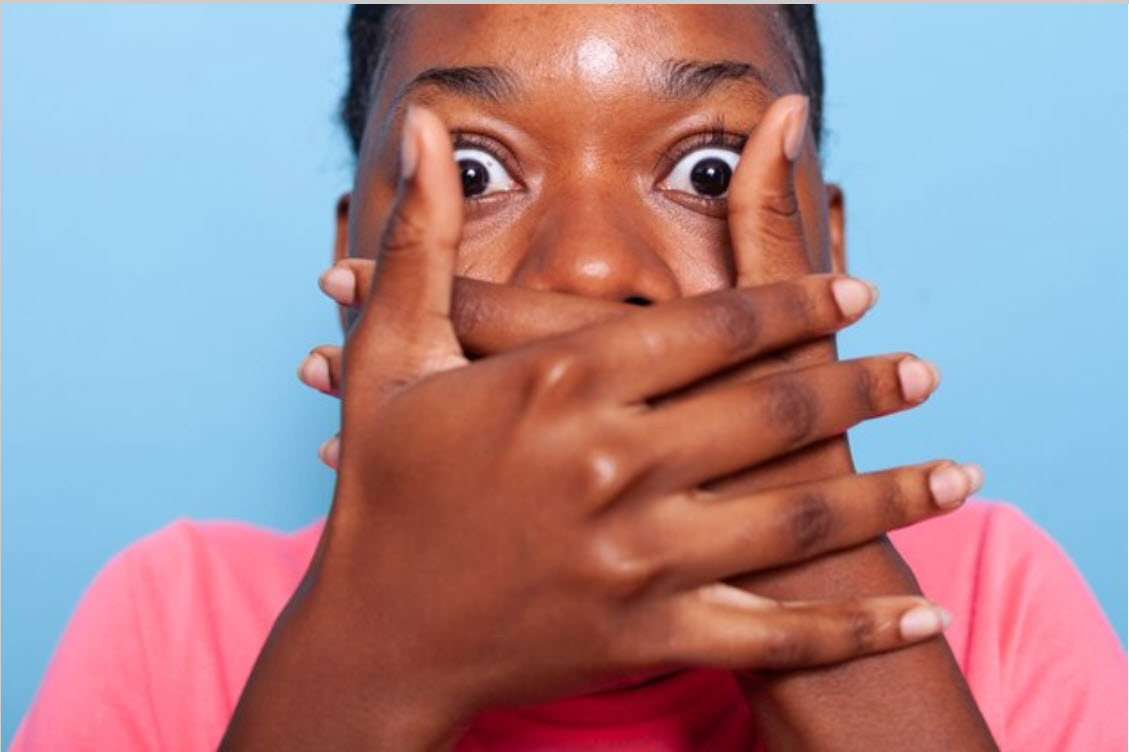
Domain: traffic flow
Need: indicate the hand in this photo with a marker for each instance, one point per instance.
(487, 514)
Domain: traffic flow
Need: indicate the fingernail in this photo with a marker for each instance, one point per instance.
(949, 486)
(853, 296)
(918, 379)
(923, 621)
(314, 372)
(975, 478)
(409, 145)
(339, 284)
(794, 131)
(330, 452)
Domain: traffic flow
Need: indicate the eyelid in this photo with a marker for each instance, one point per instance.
(715, 137)
(493, 147)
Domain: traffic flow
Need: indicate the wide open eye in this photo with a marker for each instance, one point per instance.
(481, 173)
(704, 172)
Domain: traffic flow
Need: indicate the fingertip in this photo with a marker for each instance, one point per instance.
(923, 622)
(339, 283)
(795, 128)
(949, 486)
(314, 372)
(409, 143)
(918, 379)
(975, 477)
(330, 452)
(853, 296)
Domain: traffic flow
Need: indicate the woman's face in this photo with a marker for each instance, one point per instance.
(579, 130)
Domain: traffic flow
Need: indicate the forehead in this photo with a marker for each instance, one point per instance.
(594, 51)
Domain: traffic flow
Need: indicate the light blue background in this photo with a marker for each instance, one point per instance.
(169, 176)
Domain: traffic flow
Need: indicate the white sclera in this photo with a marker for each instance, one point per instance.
(499, 179)
(679, 178)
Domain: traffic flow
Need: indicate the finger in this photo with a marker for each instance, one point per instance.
(321, 370)
(349, 281)
(765, 222)
(657, 350)
(719, 538)
(488, 318)
(721, 626)
(330, 452)
(406, 317)
(712, 435)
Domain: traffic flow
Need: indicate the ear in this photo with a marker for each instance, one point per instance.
(341, 250)
(341, 238)
(836, 228)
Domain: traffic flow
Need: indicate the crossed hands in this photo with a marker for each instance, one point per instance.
(539, 493)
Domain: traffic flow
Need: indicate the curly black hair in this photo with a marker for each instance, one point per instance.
(369, 26)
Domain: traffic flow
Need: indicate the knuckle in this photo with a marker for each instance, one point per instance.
(732, 320)
(865, 390)
(781, 649)
(860, 628)
(893, 505)
(883, 391)
(602, 472)
(800, 305)
(469, 312)
(791, 407)
(404, 230)
(810, 520)
(781, 209)
(555, 377)
(618, 568)
(780, 203)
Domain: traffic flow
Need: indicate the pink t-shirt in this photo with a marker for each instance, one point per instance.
(160, 646)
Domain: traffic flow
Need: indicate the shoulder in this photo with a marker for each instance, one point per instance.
(1045, 665)
(987, 557)
(209, 592)
(981, 536)
(187, 554)
(158, 648)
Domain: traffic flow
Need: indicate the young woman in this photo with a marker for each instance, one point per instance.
(593, 489)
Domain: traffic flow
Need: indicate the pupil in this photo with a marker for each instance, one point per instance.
(710, 177)
(474, 176)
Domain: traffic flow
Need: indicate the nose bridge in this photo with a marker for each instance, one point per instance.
(596, 242)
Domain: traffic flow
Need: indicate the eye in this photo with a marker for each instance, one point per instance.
(482, 174)
(704, 172)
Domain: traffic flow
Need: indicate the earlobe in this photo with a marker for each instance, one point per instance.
(836, 228)
(341, 238)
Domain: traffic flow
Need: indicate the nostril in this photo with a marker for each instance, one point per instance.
(638, 300)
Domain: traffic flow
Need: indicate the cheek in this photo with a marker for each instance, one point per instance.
(694, 248)
(697, 249)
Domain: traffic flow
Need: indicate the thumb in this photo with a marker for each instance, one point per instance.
(765, 223)
(406, 318)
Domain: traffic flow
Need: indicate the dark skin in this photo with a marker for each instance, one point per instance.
(667, 448)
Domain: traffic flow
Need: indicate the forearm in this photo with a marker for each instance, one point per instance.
(914, 698)
(308, 691)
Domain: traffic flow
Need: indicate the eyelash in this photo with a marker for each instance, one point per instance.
(716, 136)
(464, 140)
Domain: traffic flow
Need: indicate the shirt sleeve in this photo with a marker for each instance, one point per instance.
(95, 694)
(1062, 667)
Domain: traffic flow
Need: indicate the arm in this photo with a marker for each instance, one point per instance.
(416, 614)
(913, 699)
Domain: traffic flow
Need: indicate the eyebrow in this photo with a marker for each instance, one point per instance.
(688, 79)
(478, 81)
(680, 79)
